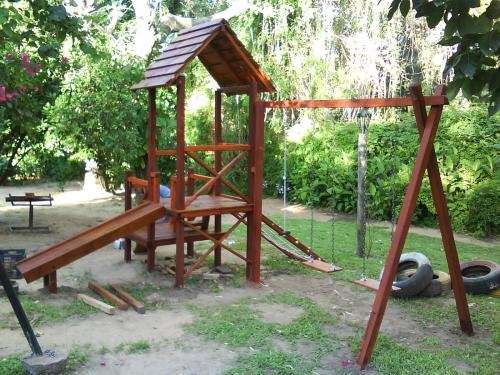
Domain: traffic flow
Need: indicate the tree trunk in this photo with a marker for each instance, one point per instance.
(361, 208)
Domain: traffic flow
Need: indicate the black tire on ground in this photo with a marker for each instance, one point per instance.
(480, 276)
(418, 281)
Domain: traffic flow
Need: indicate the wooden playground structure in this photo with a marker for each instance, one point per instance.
(190, 210)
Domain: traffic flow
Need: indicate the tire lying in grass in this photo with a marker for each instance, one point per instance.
(441, 283)
(411, 286)
(480, 276)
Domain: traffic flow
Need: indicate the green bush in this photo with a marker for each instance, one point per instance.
(484, 209)
(323, 167)
(98, 117)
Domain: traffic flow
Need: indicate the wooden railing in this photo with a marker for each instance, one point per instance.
(207, 148)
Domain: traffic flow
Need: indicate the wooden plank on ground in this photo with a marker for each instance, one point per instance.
(127, 297)
(104, 307)
(107, 295)
(321, 266)
(372, 284)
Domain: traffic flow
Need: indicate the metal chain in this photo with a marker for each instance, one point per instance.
(393, 187)
(285, 170)
(311, 179)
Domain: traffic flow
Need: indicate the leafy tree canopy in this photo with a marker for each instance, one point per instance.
(32, 37)
(475, 31)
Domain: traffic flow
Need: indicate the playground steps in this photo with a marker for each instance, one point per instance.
(66, 252)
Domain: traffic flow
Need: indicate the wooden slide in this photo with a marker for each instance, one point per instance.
(47, 261)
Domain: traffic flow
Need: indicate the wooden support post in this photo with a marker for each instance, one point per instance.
(255, 181)
(190, 191)
(127, 253)
(180, 190)
(151, 131)
(50, 282)
(442, 214)
(218, 167)
(399, 237)
(154, 196)
(153, 184)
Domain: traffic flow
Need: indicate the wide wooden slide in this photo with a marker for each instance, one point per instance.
(49, 260)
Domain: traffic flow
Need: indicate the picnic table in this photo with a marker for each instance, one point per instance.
(30, 200)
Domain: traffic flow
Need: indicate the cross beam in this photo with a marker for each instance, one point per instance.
(217, 242)
(218, 176)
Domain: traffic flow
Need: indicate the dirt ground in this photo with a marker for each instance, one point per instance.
(174, 350)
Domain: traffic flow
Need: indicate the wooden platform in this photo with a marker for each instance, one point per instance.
(165, 235)
(210, 205)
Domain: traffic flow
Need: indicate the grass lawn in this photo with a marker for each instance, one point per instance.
(390, 357)
(310, 342)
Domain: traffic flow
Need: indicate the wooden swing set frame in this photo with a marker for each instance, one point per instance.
(232, 67)
(427, 124)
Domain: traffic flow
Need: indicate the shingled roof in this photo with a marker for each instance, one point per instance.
(220, 51)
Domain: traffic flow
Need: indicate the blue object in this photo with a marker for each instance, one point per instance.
(164, 191)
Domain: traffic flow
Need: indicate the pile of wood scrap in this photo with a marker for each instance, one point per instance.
(122, 300)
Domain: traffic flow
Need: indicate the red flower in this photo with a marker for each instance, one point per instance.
(25, 59)
(3, 97)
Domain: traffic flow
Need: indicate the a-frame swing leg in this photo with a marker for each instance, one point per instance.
(398, 240)
(443, 216)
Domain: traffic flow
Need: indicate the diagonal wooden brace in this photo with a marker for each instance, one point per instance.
(212, 248)
(214, 240)
(442, 214)
(400, 234)
(218, 176)
(212, 171)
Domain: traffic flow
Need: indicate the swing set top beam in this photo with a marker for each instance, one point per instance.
(354, 103)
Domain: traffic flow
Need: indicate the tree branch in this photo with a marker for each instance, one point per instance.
(174, 22)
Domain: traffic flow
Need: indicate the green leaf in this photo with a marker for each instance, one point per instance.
(57, 13)
(434, 17)
(468, 24)
(450, 41)
(392, 8)
(451, 27)
(467, 67)
(493, 11)
(453, 88)
(404, 7)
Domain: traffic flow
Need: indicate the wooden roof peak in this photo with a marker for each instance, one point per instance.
(219, 50)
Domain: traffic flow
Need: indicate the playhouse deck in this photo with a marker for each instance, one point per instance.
(210, 205)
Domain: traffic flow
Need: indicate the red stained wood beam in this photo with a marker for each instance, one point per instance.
(137, 182)
(207, 148)
(354, 103)
(213, 180)
(212, 248)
